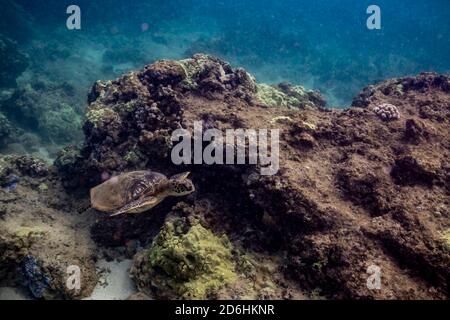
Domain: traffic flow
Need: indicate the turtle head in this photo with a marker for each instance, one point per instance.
(180, 185)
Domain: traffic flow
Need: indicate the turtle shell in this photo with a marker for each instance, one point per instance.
(120, 190)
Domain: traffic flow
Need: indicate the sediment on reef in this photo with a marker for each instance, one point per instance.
(357, 188)
(42, 233)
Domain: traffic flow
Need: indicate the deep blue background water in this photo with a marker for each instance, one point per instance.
(321, 44)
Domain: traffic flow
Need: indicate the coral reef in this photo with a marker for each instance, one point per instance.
(348, 190)
(352, 191)
(41, 232)
(185, 260)
(288, 96)
(386, 111)
(130, 120)
(38, 107)
(6, 130)
(12, 62)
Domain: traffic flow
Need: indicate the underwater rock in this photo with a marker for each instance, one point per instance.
(12, 62)
(386, 111)
(416, 132)
(41, 232)
(287, 96)
(7, 131)
(185, 261)
(416, 169)
(66, 163)
(129, 121)
(350, 188)
(33, 278)
(31, 166)
(39, 107)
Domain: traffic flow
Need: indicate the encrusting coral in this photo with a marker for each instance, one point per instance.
(185, 260)
(287, 96)
(386, 111)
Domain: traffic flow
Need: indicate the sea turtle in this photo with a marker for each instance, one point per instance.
(138, 191)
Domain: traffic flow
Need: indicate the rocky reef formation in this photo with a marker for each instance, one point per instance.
(37, 107)
(288, 96)
(353, 194)
(41, 233)
(130, 120)
(187, 259)
(352, 191)
(12, 62)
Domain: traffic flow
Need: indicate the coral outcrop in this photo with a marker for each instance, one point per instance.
(12, 62)
(37, 107)
(186, 261)
(39, 235)
(288, 96)
(130, 120)
(351, 192)
(387, 111)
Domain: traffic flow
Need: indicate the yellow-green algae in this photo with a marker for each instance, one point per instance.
(446, 237)
(191, 260)
(26, 232)
(271, 96)
(43, 187)
(132, 157)
(192, 68)
(309, 126)
(23, 237)
(281, 119)
(98, 116)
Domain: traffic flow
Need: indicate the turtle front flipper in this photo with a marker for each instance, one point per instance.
(137, 206)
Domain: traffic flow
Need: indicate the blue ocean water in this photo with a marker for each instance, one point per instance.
(324, 45)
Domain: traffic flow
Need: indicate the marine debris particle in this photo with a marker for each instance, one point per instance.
(189, 261)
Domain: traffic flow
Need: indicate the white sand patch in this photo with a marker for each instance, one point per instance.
(10, 293)
(115, 283)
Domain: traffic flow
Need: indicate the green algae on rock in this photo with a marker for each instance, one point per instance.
(100, 116)
(446, 237)
(37, 106)
(185, 261)
(40, 232)
(287, 96)
(12, 62)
